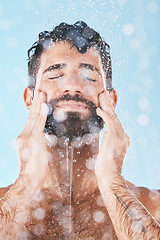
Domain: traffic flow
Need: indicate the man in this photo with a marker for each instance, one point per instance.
(68, 188)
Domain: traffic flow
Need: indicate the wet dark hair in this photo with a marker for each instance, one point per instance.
(79, 35)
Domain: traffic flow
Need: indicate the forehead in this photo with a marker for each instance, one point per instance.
(63, 52)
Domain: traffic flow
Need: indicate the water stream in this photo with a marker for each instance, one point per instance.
(69, 162)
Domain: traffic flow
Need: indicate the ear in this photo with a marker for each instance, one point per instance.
(114, 97)
(27, 97)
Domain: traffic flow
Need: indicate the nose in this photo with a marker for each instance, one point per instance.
(73, 84)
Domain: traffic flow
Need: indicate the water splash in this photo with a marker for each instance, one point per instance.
(69, 161)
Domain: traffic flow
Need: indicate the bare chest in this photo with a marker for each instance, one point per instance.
(85, 220)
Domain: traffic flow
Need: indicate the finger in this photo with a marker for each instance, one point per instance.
(107, 105)
(38, 99)
(36, 114)
(106, 102)
(41, 120)
(107, 118)
(111, 119)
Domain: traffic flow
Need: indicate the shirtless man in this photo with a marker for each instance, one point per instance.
(68, 187)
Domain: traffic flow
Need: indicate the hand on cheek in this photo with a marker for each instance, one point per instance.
(115, 141)
(106, 109)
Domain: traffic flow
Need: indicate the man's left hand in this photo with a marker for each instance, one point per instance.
(115, 140)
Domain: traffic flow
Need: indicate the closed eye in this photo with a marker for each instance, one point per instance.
(59, 76)
(90, 79)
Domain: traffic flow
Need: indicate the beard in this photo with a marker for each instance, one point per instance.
(73, 124)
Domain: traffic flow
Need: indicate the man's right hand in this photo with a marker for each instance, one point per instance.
(31, 143)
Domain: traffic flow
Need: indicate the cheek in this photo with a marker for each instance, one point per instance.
(51, 89)
(93, 91)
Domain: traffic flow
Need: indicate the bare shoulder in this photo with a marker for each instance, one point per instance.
(4, 190)
(149, 198)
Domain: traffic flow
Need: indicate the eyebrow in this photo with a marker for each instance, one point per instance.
(54, 67)
(91, 67)
(63, 65)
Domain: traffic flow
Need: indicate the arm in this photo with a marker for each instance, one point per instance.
(33, 158)
(130, 218)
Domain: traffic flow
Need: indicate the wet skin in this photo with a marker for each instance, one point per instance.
(64, 70)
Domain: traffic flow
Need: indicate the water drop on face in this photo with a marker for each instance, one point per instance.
(98, 216)
(59, 115)
(77, 142)
(88, 139)
(21, 217)
(90, 163)
(51, 140)
(39, 213)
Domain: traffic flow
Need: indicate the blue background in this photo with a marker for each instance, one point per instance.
(131, 27)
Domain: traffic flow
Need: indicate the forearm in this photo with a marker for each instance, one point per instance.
(14, 208)
(130, 218)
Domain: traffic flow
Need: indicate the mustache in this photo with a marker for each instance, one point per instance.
(73, 126)
(76, 98)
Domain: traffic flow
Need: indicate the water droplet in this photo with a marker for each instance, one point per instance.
(59, 115)
(39, 213)
(143, 120)
(128, 29)
(98, 216)
(51, 140)
(21, 217)
(90, 163)
(77, 142)
(152, 6)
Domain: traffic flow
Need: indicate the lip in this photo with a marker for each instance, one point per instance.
(72, 104)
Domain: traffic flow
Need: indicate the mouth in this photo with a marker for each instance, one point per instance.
(72, 105)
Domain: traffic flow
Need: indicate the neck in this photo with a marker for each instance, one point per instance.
(71, 169)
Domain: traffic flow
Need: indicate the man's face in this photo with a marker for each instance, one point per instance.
(72, 82)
